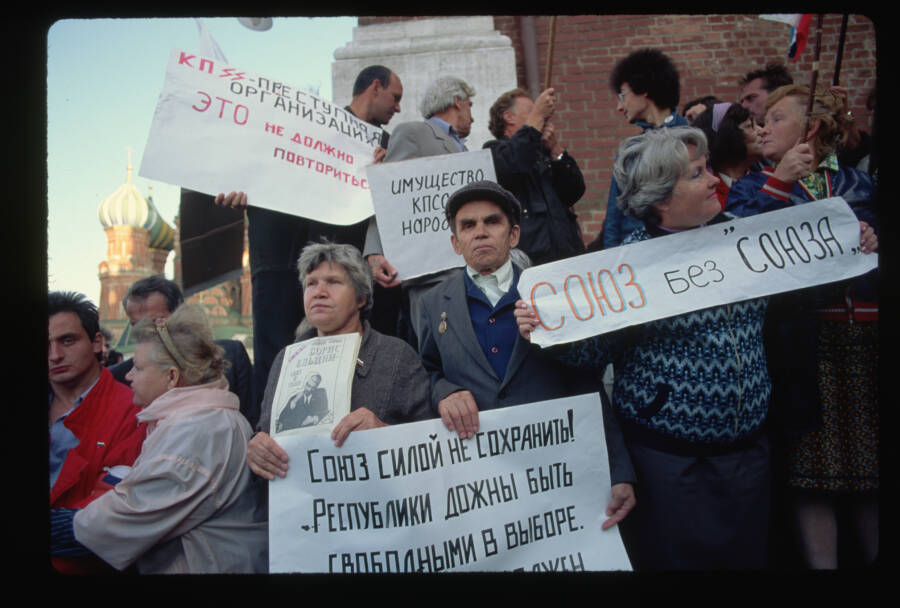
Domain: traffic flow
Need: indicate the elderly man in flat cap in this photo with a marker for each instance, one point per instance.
(470, 343)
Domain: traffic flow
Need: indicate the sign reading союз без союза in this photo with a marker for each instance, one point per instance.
(784, 250)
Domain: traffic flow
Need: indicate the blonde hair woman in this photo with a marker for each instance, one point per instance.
(824, 342)
(188, 505)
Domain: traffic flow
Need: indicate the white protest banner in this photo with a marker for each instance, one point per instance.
(409, 198)
(528, 492)
(801, 246)
(219, 129)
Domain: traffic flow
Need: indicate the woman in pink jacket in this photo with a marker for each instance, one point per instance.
(188, 505)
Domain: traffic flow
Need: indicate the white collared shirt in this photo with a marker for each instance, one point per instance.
(496, 284)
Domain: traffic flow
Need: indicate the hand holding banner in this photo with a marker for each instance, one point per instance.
(218, 129)
(793, 248)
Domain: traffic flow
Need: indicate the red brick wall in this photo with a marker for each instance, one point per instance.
(711, 52)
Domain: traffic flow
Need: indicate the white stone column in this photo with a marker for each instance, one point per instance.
(422, 50)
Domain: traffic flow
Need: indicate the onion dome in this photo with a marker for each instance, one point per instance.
(162, 235)
(126, 207)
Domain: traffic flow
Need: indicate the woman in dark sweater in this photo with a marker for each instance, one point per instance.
(691, 391)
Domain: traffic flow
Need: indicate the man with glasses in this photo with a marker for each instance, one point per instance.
(647, 86)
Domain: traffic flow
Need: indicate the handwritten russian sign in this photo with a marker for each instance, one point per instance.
(801, 246)
(409, 198)
(219, 129)
(528, 492)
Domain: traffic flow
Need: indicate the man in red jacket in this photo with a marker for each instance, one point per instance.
(92, 421)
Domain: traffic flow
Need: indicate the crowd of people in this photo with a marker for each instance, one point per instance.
(160, 463)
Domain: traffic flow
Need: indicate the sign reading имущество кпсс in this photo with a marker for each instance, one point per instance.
(409, 198)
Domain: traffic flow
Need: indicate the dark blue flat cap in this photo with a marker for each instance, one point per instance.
(484, 191)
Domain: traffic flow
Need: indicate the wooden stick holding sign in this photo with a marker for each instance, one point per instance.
(551, 44)
(836, 80)
(815, 75)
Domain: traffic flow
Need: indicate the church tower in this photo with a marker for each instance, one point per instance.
(138, 243)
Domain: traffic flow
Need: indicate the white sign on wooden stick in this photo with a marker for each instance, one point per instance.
(784, 250)
(409, 198)
(219, 129)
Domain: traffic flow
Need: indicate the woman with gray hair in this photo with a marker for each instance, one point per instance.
(390, 386)
(651, 167)
(188, 505)
(692, 391)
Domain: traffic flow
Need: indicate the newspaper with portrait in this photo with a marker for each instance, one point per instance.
(313, 390)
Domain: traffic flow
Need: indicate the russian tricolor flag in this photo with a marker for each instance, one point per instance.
(799, 23)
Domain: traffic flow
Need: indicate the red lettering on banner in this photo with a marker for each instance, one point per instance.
(632, 283)
(235, 75)
(535, 308)
(224, 101)
(318, 166)
(603, 291)
(586, 298)
(208, 102)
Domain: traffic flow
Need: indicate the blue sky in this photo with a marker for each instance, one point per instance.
(103, 80)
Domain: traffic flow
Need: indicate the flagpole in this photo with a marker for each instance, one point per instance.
(840, 51)
(815, 74)
(550, 52)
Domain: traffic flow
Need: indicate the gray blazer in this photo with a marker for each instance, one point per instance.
(454, 361)
(418, 139)
(389, 380)
(410, 140)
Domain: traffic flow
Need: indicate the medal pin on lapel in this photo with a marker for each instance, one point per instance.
(442, 326)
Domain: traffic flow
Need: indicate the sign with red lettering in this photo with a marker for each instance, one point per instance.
(527, 493)
(801, 246)
(409, 198)
(219, 129)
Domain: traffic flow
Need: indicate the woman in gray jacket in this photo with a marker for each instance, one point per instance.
(389, 386)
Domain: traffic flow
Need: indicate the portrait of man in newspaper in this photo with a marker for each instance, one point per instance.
(306, 408)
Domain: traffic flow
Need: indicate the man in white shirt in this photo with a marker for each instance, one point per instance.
(470, 343)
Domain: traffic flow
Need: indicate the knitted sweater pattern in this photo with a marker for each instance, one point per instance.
(700, 377)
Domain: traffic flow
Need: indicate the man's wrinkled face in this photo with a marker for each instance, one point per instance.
(463, 124)
(516, 115)
(153, 306)
(483, 235)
